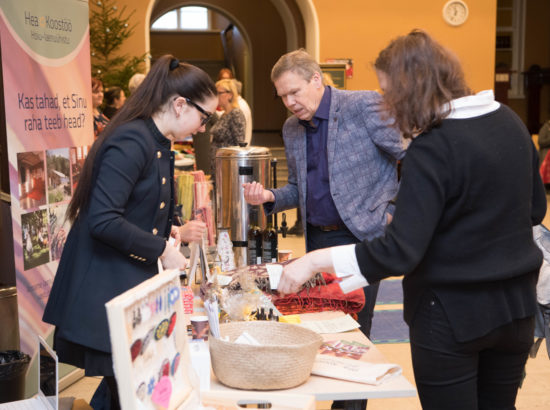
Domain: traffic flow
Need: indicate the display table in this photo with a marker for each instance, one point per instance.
(237, 399)
(324, 388)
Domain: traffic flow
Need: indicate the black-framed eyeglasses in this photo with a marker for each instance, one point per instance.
(204, 120)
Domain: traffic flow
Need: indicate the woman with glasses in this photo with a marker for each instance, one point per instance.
(461, 233)
(122, 212)
(230, 128)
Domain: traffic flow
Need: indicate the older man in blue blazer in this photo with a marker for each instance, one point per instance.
(342, 162)
(342, 156)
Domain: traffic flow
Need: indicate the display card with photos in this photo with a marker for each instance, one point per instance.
(149, 345)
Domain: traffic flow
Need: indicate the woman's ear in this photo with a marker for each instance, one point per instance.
(178, 104)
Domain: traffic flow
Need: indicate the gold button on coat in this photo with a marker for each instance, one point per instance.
(162, 205)
(163, 180)
(159, 154)
(155, 231)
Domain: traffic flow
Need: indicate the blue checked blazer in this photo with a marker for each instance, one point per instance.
(362, 155)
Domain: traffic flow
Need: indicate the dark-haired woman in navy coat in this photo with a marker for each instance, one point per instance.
(122, 212)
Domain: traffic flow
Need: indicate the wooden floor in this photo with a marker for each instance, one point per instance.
(534, 395)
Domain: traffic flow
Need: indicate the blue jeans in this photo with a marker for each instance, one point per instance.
(484, 373)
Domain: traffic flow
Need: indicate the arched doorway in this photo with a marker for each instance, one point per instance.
(220, 42)
(269, 28)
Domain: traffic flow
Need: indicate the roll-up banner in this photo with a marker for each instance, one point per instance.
(49, 125)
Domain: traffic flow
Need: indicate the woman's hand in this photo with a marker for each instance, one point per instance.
(192, 231)
(299, 271)
(172, 258)
(175, 233)
(255, 194)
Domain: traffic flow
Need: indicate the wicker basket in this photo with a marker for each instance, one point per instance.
(283, 360)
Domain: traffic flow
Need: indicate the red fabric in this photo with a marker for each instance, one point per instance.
(321, 298)
(545, 169)
(38, 191)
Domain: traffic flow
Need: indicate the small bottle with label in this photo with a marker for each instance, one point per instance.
(270, 242)
(254, 240)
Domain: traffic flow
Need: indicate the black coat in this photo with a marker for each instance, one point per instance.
(114, 244)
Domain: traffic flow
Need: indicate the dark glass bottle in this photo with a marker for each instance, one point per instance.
(270, 242)
(254, 240)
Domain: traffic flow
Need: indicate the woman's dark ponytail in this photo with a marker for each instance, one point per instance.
(167, 77)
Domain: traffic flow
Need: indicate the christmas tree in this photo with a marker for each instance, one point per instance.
(109, 28)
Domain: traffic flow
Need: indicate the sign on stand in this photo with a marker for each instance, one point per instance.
(49, 129)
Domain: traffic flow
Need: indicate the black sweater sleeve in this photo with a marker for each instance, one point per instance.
(419, 206)
(469, 194)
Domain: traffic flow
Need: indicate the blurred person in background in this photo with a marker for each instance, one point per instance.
(245, 108)
(134, 82)
(229, 130)
(225, 74)
(114, 99)
(100, 120)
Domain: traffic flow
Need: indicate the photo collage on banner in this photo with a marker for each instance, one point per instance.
(49, 126)
(45, 189)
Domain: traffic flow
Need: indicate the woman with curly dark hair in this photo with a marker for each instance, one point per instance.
(461, 233)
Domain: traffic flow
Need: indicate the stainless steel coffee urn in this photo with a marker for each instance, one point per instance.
(234, 167)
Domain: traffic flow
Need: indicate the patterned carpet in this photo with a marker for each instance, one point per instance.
(390, 292)
(388, 325)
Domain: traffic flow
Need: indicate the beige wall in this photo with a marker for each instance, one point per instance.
(359, 29)
(138, 44)
(356, 29)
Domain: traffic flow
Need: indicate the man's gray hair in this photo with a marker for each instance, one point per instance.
(297, 61)
(135, 82)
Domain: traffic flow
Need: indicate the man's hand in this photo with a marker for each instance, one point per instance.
(255, 194)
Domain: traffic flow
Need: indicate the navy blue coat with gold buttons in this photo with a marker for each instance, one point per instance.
(114, 244)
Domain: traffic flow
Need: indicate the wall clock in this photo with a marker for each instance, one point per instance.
(455, 12)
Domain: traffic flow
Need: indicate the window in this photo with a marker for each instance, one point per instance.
(167, 21)
(194, 18)
(184, 18)
(510, 43)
